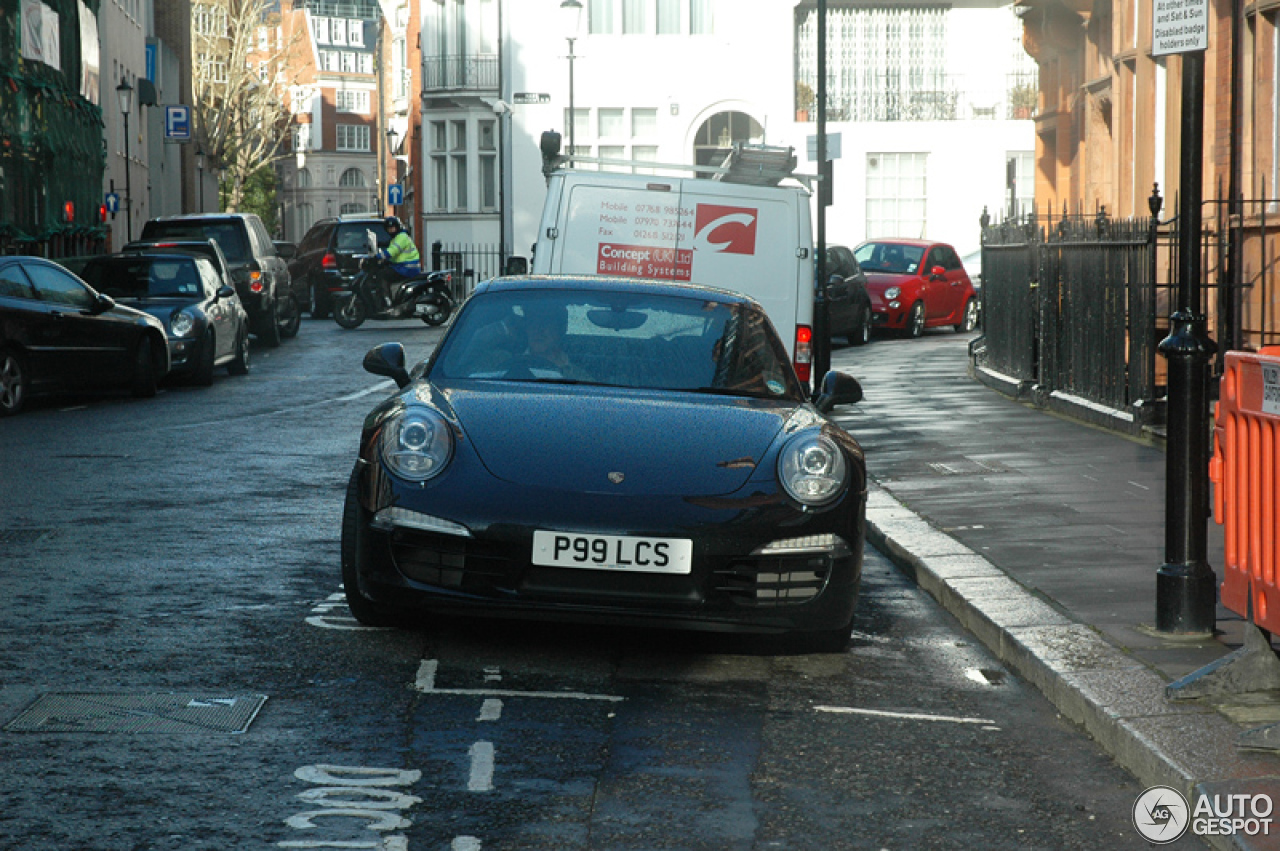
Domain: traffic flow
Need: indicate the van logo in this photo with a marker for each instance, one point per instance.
(616, 478)
(726, 230)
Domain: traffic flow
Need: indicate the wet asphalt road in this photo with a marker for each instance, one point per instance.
(167, 563)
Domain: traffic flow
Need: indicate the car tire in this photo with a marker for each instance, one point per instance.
(144, 370)
(268, 329)
(350, 312)
(203, 375)
(915, 320)
(240, 363)
(824, 641)
(861, 333)
(352, 550)
(14, 381)
(319, 307)
(290, 318)
(970, 319)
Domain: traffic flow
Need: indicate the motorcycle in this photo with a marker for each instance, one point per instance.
(426, 297)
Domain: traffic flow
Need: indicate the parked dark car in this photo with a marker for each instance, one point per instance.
(59, 334)
(259, 267)
(613, 451)
(848, 305)
(326, 260)
(206, 325)
(916, 284)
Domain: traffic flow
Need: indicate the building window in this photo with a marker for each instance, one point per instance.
(338, 31)
(600, 18)
(348, 62)
(611, 123)
(635, 17)
(264, 37)
(440, 183)
(896, 194)
(644, 154)
(463, 165)
(355, 33)
(352, 207)
(304, 178)
(644, 123)
(320, 30)
(353, 137)
(353, 101)
(329, 59)
(668, 17)
(488, 182)
(613, 152)
(352, 177)
(1022, 169)
(700, 22)
(366, 63)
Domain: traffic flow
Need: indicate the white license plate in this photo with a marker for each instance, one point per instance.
(613, 552)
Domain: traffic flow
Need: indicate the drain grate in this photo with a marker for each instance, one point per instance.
(25, 536)
(72, 712)
(967, 467)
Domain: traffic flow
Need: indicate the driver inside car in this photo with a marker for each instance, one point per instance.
(545, 326)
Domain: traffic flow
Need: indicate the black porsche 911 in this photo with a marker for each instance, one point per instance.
(600, 450)
(205, 323)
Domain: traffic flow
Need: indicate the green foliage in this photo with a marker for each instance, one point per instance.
(260, 197)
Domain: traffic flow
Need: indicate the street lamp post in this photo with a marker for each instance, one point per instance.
(200, 177)
(125, 92)
(571, 11)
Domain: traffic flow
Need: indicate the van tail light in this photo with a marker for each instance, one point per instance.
(804, 353)
(255, 279)
(329, 261)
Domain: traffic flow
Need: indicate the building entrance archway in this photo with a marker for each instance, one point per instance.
(717, 135)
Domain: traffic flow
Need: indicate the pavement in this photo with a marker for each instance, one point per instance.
(1042, 534)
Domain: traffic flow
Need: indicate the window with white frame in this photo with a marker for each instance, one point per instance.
(351, 178)
(338, 31)
(329, 60)
(463, 157)
(352, 207)
(215, 68)
(320, 30)
(1024, 180)
(352, 137)
(355, 33)
(700, 18)
(896, 192)
(304, 178)
(645, 17)
(644, 154)
(349, 100)
(668, 17)
(610, 122)
(366, 63)
(635, 17)
(264, 38)
(601, 19)
(302, 138)
(644, 122)
(348, 62)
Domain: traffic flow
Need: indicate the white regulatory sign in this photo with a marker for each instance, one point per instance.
(1179, 26)
(1271, 389)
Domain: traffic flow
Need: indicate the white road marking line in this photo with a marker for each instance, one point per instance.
(426, 682)
(906, 716)
(481, 779)
(465, 843)
(490, 710)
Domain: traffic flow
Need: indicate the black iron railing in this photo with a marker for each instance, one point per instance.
(460, 73)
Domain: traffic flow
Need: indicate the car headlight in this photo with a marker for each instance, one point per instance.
(812, 469)
(181, 323)
(416, 444)
(893, 292)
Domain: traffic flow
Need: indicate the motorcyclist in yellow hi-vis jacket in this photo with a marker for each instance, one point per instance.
(402, 253)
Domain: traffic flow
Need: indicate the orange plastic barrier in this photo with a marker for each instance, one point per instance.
(1245, 471)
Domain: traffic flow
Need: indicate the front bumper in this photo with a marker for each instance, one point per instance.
(738, 582)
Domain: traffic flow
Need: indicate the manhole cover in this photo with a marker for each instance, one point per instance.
(64, 712)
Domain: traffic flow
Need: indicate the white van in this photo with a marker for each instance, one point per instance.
(755, 240)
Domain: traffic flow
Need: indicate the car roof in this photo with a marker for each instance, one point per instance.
(606, 283)
(902, 240)
(194, 217)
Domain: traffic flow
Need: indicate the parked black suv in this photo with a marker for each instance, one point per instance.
(326, 256)
(848, 305)
(259, 269)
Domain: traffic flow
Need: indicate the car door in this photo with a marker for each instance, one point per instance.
(86, 348)
(220, 311)
(25, 323)
(937, 295)
(840, 306)
(952, 295)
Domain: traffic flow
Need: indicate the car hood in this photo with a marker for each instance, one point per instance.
(882, 280)
(161, 307)
(575, 438)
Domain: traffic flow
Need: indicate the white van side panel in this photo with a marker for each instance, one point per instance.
(753, 240)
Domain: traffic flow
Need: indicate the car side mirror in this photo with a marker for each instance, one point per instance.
(937, 273)
(225, 291)
(516, 266)
(388, 360)
(101, 304)
(287, 250)
(838, 388)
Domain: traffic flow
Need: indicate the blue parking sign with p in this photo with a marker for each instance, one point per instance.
(177, 123)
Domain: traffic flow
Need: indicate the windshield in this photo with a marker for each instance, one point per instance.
(352, 238)
(892, 257)
(227, 234)
(623, 339)
(139, 277)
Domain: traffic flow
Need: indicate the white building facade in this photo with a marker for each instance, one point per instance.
(929, 104)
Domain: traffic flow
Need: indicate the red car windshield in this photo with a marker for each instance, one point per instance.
(892, 258)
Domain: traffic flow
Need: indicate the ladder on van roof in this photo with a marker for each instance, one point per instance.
(756, 165)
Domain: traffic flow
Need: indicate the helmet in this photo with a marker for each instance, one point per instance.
(392, 222)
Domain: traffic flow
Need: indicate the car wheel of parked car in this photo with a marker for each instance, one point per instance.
(318, 308)
(290, 318)
(970, 320)
(915, 320)
(240, 363)
(204, 370)
(144, 370)
(352, 550)
(268, 329)
(861, 333)
(13, 383)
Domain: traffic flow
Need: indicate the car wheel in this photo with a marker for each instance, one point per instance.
(915, 320)
(290, 318)
(824, 641)
(353, 554)
(861, 333)
(319, 308)
(970, 320)
(144, 370)
(240, 363)
(269, 327)
(13, 383)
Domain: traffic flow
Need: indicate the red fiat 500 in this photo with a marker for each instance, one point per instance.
(915, 284)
